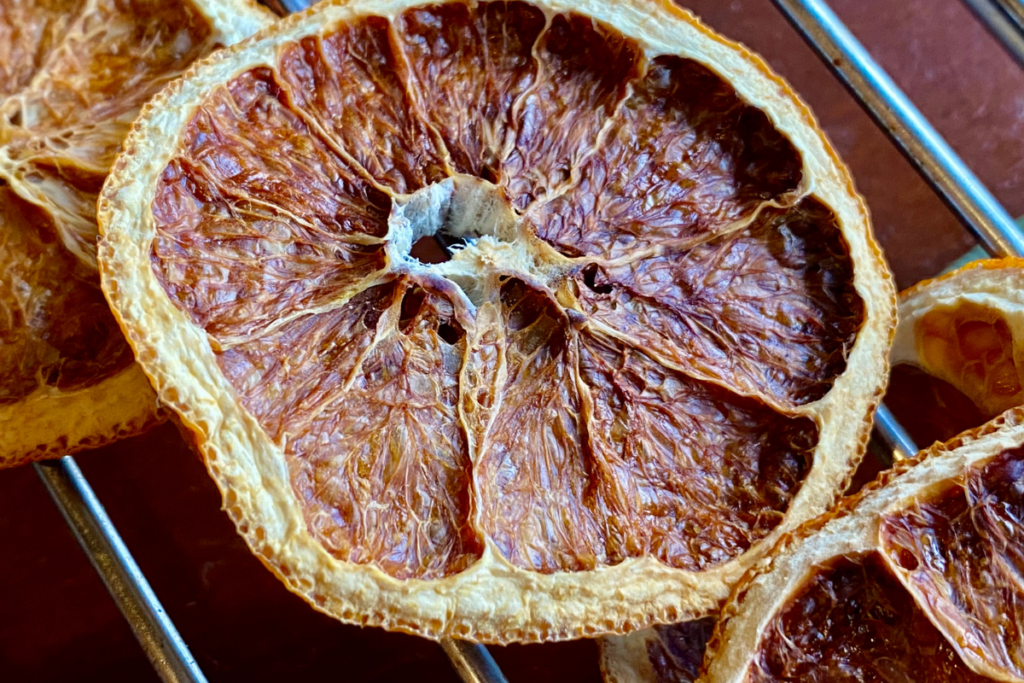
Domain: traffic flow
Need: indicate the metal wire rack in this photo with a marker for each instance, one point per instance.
(891, 110)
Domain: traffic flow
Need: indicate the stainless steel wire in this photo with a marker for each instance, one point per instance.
(117, 568)
(892, 433)
(1005, 19)
(473, 662)
(952, 180)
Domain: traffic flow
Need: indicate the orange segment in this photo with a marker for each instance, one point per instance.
(583, 72)
(351, 85)
(546, 501)
(971, 345)
(683, 158)
(767, 311)
(285, 224)
(712, 473)
(469, 66)
(43, 284)
(961, 553)
(852, 621)
(365, 403)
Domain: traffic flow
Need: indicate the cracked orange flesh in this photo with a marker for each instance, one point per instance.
(853, 621)
(971, 347)
(616, 364)
(73, 76)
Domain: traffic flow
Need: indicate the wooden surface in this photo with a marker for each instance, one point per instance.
(57, 622)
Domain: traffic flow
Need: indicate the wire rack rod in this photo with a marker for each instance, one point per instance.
(473, 662)
(114, 563)
(1005, 19)
(900, 119)
(894, 435)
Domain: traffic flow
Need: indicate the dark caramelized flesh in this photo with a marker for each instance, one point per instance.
(677, 651)
(930, 409)
(851, 622)
(73, 75)
(962, 552)
(643, 403)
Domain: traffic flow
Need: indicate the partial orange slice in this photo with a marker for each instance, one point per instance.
(653, 345)
(73, 75)
(964, 330)
(916, 579)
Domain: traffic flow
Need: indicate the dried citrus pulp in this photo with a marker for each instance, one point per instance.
(918, 578)
(73, 76)
(654, 348)
(958, 345)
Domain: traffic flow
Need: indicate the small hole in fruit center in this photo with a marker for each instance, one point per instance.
(449, 333)
(590, 280)
(412, 302)
(436, 248)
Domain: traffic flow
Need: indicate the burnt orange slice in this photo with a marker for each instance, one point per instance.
(652, 346)
(917, 579)
(73, 75)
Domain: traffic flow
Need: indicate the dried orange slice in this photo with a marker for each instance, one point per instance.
(73, 75)
(917, 578)
(958, 344)
(966, 331)
(654, 347)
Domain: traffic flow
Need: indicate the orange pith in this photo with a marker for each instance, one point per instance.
(572, 414)
(73, 76)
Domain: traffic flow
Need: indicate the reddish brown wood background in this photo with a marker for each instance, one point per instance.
(57, 622)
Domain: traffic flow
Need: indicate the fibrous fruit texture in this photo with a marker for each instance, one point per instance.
(916, 580)
(624, 352)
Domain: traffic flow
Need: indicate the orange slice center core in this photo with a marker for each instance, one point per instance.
(473, 221)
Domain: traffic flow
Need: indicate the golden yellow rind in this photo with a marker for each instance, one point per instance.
(492, 601)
